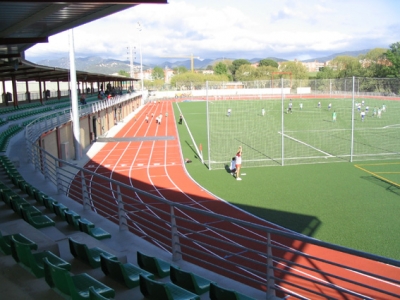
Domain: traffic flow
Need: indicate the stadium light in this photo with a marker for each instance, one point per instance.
(139, 27)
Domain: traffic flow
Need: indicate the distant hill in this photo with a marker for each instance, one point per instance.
(95, 64)
(332, 56)
(92, 64)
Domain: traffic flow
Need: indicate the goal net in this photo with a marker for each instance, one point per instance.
(284, 122)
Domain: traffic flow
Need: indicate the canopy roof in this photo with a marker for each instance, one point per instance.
(26, 23)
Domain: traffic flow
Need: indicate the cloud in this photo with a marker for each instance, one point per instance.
(209, 29)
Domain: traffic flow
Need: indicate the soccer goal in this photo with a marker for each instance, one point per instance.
(287, 122)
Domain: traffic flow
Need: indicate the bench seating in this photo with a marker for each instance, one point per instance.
(89, 255)
(153, 265)
(75, 286)
(189, 281)
(34, 261)
(127, 274)
(155, 290)
(219, 293)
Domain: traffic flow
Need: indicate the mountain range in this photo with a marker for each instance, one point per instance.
(96, 64)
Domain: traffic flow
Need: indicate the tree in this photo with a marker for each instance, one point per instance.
(124, 73)
(298, 70)
(347, 66)
(374, 62)
(236, 65)
(393, 56)
(268, 63)
(210, 67)
(245, 72)
(158, 73)
(180, 70)
(326, 73)
(221, 69)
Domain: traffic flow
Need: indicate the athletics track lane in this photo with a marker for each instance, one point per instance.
(156, 165)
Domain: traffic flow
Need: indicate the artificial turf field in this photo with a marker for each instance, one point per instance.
(355, 205)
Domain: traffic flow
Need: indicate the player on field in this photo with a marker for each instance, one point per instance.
(362, 116)
(301, 105)
(290, 107)
(263, 112)
(334, 116)
(229, 112)
(319, 104)
(329, 106)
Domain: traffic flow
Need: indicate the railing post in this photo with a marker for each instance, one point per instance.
(176, 247)
(44, 165)
(86, 202)
(60, 189)
(270, 269)
(123, 222)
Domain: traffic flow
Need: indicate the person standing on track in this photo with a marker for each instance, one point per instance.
(147, 118)
(238, 160)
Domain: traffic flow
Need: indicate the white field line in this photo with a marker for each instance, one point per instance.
(305, 144)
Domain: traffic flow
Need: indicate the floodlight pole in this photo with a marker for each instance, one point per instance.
(141, 62)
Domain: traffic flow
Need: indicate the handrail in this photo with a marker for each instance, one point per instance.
(258, 253)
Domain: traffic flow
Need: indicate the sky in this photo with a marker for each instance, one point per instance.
(287, 29)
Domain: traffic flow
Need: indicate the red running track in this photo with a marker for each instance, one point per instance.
(156, 165)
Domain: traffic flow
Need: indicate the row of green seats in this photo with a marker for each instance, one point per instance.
(6, 135)
(28, 113)
(10, 109)
(62, 211)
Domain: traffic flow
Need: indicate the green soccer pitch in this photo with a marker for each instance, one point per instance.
(340, 203)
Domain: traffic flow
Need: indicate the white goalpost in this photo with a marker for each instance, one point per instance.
(281, 125)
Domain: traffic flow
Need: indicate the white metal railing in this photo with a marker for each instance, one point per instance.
(255, 255)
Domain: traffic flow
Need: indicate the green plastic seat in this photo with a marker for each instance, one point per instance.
(5, 242)
(96, 232)
(127, 274)
(74, 286)
(34, 261)
(59, 210)
(89, 255)
(219, 293)
(72, 218)
(189, 281)
(38, 221)
(49, 202)
(155, 290)
(153, 265)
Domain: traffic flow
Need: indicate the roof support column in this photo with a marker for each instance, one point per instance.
(27, 93)
(14, 89)
(74, 98)
(58, 90)
(40, 92)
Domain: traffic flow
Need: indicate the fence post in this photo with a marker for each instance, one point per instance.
(176, 247)
(123, 222)
(270, 270)
(85, 196)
